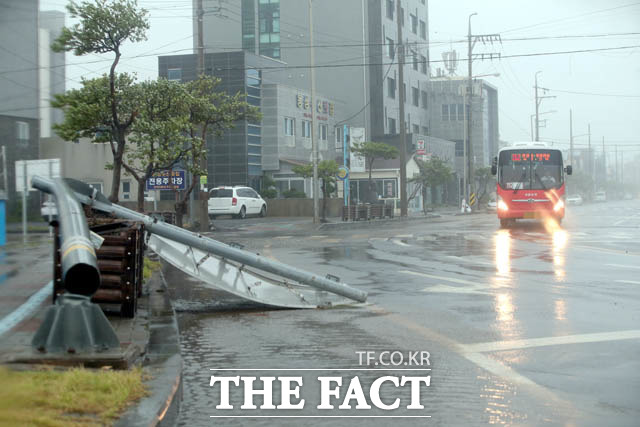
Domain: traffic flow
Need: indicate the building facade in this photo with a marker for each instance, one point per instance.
(447, 118)
(355, 52)
(19, 87)
(51, 74)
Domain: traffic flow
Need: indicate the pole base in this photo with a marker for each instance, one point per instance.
(74, 324)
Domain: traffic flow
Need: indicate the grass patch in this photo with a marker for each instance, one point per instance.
(150, 267)
(77, 397)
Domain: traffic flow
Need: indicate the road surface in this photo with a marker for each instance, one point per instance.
(527, 326)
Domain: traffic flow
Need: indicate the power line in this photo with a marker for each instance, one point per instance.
(595, 94)
(524, 55)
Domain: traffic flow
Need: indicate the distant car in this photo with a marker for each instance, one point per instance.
(236, 201)
(575, 200)
(492, 205)
(48, 209)
(601, 196)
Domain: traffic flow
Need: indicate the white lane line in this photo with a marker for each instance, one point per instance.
(632, 282)
(620, 221)
(547, 341)
(448, 279)
(624, 266)
(19, 314)
(455, 289)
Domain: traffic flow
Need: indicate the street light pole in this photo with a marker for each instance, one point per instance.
(537, 106)
(314, 142)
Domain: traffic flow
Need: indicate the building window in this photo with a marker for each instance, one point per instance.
(390, 9)
(289, 126)
(323, 132)
(425, 99)
(269, 27)
(339, 136)
(22, 131)
(423, 29)
(306, 129)
(459, 149)
(391, 125)
(445, 112)
(415, 94)
(415, 60)
(248, 11)
(425, 130)
(416, 129)
(391, 51)
(126, 190)
(414, 24)
(460, 112)
(391, 87)
(423, 64)
(174, 74)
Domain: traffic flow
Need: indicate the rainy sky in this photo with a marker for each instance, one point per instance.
(602, 87)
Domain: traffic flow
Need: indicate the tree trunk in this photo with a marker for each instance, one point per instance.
(324, 200)
(117, 170)
(141, 184)
(424, 199)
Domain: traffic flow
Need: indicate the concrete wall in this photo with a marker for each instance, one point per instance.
(302, 207)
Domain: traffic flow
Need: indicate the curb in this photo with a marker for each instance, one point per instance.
(163, 362)
(372, 222)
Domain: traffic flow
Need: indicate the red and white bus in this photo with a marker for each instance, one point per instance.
(530, 182)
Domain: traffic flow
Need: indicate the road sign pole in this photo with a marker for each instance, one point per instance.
(24, 201)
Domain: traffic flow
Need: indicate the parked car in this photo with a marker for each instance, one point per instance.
(600, 196)
(236, 201)
(492, 205)
(575, 200)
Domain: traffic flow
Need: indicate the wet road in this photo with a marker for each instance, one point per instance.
(528, 326)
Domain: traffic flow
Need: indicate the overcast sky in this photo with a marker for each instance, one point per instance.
(602, 76)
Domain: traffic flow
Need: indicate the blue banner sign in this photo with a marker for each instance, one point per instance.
(167, 180)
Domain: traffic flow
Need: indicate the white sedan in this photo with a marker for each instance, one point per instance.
(575, 200)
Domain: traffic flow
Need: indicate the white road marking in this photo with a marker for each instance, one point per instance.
(400, 243)
(470, 261)
(448, 279)
(455, 289)
(283, 237)
(405, 236)
(624, 266)
(632, 282)
(547, 341)
(620, 221)
(19, 314)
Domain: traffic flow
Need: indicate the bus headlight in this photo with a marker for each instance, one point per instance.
(502, 206)
(559, 205)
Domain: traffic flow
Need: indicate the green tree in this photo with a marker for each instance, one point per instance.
(327, 170)
(103, 27)
(431, 173)
(158, 139)
(371, 151)
(269, 190)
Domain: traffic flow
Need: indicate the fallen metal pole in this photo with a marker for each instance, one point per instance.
(80, 273)
(96, 200)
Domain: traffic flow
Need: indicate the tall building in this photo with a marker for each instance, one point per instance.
(446, 96)
(19, 86)
(354, 49)
(52, 76)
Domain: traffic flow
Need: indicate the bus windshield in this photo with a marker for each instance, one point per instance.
(530, 169)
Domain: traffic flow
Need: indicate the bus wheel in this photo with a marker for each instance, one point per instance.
(504, 223)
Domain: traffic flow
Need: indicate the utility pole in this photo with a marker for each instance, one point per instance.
(469, 104)
(314, 142)
(471, 42)
(570, 137)
(616, 179)
(590, 158)
(538, 101)
(403, 131)
(604, 164)
(200, 39)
